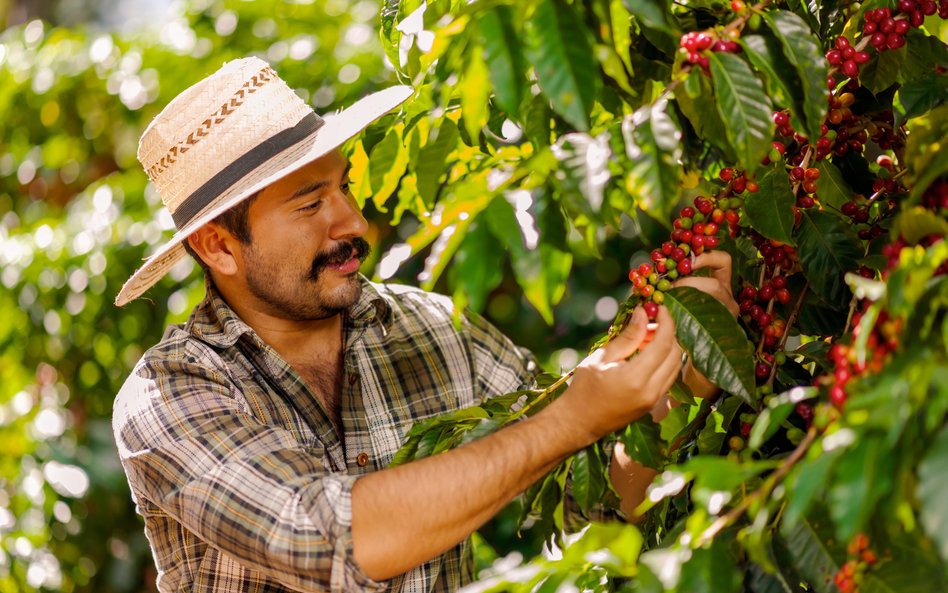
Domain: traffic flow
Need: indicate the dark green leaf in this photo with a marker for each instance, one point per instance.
(931, 489)
(802, 49)
(783, 83)
(828, 249)
(536, 116)
(643, 442)
(715, 342)
(652, 142)
(504, 57)
(564, 61)
(917, 97)
(770, 210)
(745, 107)
(834, 191)
(882, 71)
(711, 437)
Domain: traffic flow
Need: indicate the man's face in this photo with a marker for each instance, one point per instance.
(306, 243)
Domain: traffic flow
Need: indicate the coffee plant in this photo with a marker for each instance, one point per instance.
(805, 139)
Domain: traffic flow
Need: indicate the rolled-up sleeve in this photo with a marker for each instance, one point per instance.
(191, 446)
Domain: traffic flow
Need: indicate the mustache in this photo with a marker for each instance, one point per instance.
(341, 253)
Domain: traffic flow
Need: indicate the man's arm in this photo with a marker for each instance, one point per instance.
(406, 515)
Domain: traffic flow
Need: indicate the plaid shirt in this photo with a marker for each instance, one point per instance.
(240, 475)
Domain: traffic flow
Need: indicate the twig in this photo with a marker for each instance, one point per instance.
(786, 331)
(765, 489)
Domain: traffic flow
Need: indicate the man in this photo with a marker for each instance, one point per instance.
(256, 436)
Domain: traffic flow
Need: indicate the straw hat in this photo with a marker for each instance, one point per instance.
(229, 136)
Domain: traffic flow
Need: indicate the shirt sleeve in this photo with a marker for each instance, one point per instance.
(499, 365)
(190, 447)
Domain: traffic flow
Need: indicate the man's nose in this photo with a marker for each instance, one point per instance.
(347, 221)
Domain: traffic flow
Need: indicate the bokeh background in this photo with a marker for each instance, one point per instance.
(79, 81)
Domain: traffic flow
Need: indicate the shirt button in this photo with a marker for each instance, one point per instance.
(353, 377)
(362, 458)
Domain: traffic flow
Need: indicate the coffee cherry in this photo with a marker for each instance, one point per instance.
(651, 309)
(684, 266)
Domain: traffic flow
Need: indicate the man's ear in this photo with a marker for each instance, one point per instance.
(216, 247)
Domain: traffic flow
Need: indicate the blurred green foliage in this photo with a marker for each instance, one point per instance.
(77, 218)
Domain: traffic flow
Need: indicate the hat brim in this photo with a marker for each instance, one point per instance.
(336, 130)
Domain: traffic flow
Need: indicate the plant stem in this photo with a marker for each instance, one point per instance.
(786, 330)
(765, 489)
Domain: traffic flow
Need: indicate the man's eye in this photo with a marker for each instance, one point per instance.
(312, 205)
(346, 187)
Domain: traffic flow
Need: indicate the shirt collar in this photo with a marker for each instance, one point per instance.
(214, 322)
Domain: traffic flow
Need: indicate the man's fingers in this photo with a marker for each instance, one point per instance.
(629, 339)
(662, 344)
(718, 263)
(713, 287)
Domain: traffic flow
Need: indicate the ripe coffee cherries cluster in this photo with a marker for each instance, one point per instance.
(936, 196)
(696, 43)
(850, 575)
(846, 57)
(882, 341)
(696, 229)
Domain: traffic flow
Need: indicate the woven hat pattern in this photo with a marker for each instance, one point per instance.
(165, 150)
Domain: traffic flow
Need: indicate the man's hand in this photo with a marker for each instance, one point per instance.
(718, 285)
(609, 390)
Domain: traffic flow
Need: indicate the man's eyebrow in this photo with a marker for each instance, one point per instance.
(316, 185)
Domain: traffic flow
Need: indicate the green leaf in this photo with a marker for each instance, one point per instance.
(643, 442)
(387, 163)
(745, 107)
(536, 120)
(863, 476)
(541, 270)
(772, 416)
(716, 343)
(621, 21)
(652, 143)
(809, 481)
(430, 165)
(505, 61)
(702, 112)
(802, 49)
(828, 249)
(589, 477)
(563, 58)
(813, 557)
(783, 84)
(474, 90)
(924, 150)
(711, 570)
(883, 70)
(711, 437)
(770, 210)
(834, 191)
(654, 17)
(931, 489)
(917, 97)
(918, 222)
(474, 272)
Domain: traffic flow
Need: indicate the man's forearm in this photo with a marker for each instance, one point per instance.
(409, 514)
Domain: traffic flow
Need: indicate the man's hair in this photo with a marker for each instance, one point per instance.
(236, 221)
